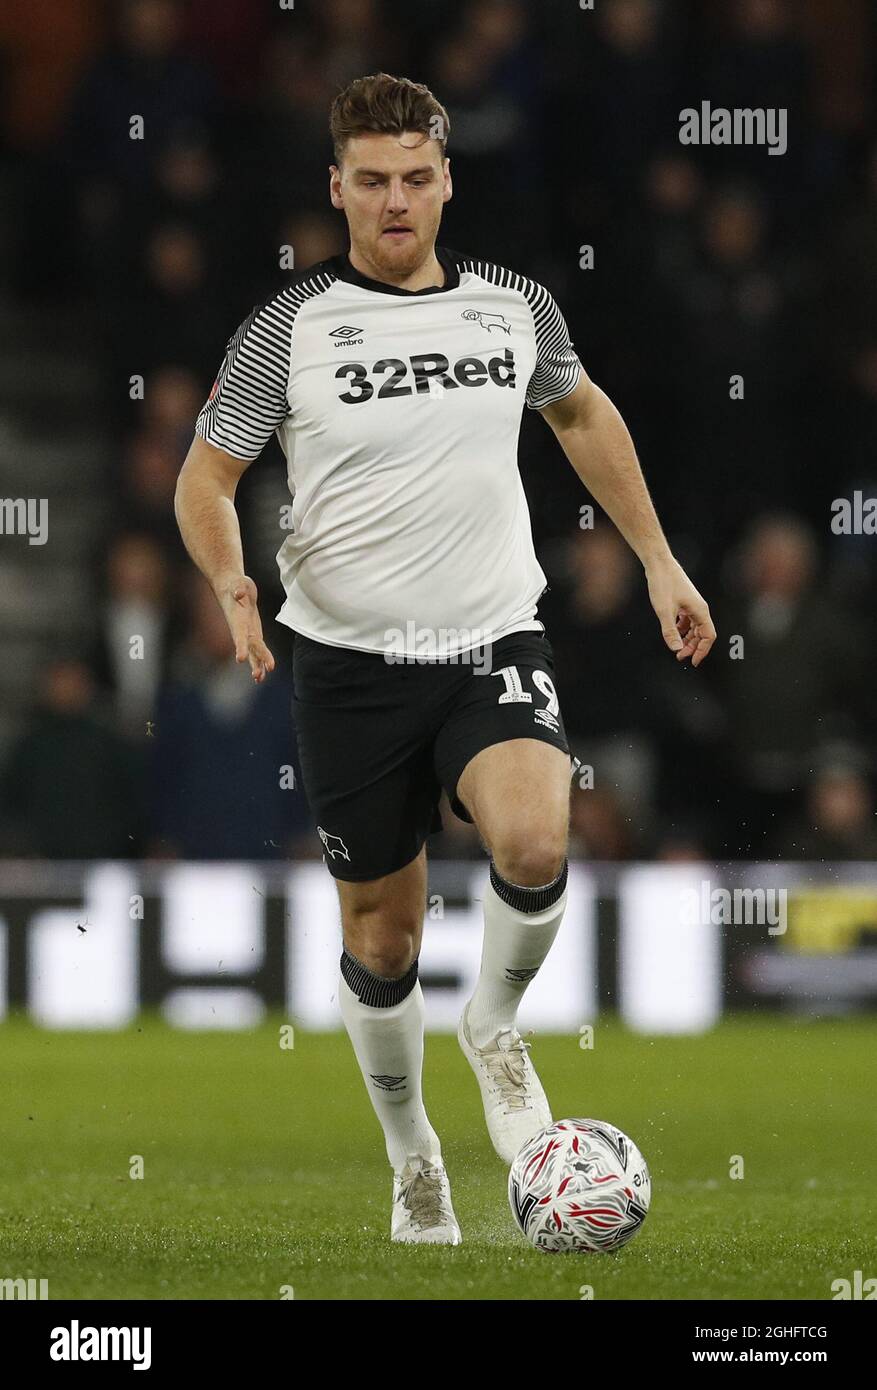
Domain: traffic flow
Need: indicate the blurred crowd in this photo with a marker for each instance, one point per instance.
(709, 263)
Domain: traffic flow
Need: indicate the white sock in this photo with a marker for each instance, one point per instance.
(388, 1042)
(517, 939)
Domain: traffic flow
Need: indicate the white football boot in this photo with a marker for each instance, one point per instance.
(422, 1210)
(515, 1105)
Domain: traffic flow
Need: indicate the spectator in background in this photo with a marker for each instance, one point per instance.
(627, 711)
(173, 397)
(734, 367)
(231, 37)
(628, 94)
(188, 189)
(354, 38)
(221, 740)
(636, 300)
(853, 555)
(486, 73)
(143, 75)
(798, 680)
(759, 61)
(144, 72)
(71, 787)
(681, 843)
(185, 189)
(601, 826)
(851, 264)
(672, 193)
(845, 314)
(606, 648)
(45, 46)
(134, 634)
(150, 469)
(311, 237)
(840, 820)
(280, 150)
(178, 308)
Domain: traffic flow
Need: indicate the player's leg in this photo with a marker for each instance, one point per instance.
(503, 758)
(517, 793)
(383, 1011)
(382, 1002)
(373, 793)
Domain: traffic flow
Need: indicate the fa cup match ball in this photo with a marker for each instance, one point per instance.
(579, 1186)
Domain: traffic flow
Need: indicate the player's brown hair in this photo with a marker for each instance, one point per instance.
(386, 105)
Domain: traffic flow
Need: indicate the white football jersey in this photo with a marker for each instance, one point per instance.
(398, 412)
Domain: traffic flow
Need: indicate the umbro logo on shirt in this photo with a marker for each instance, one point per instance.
(346, 335)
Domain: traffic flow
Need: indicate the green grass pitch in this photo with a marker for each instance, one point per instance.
(264, 1168)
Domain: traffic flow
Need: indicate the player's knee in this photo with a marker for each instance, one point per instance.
(386, 944)
(529, 856)
(388, 964)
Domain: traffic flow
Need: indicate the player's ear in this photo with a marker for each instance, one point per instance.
(448, 189)
(335, 196)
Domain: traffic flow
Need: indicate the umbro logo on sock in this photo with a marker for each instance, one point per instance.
(521, 976)
(388, 1083)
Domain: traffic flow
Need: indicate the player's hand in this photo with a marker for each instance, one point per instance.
(238, 600)
(683, 613)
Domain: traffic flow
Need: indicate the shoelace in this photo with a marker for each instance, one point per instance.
(507, 1066)
(421, 1195)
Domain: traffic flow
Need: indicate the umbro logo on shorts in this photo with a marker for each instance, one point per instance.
(388, 1083)
(546, 718)
(334, 844)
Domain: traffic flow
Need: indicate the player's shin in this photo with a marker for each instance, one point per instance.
(520, 925)
(385, 1022)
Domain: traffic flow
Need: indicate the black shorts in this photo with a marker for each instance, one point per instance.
(378, 741)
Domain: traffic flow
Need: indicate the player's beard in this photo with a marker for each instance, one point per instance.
(400, 260)
(406, 258)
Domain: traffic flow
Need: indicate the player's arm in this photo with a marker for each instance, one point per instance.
(209, 526)
(597, 443)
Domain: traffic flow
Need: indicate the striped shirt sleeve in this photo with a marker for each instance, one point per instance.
(248, 400)
(557, 364)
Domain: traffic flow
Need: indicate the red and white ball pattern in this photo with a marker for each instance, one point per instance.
(581, 1186)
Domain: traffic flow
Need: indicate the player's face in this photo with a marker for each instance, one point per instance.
(392, 188)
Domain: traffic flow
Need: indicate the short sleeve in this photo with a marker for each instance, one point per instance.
(557, 364)
(249, 397)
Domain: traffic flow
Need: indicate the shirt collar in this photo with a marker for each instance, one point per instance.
(345, 271)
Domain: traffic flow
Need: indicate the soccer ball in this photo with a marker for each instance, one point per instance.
(579, 1185)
